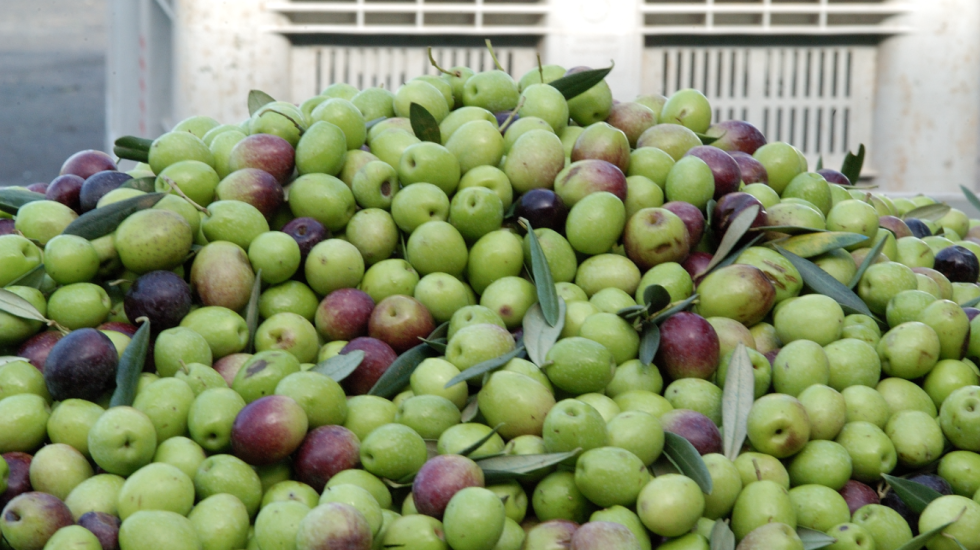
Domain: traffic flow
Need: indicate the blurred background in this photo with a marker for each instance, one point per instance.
(900, 76)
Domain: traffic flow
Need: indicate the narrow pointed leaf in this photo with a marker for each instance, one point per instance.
(33, 278)
(813, 539)
(730, 259)
(819, 165)
(137, 155)
(649, 343)
(400, 371)
(574, 84)
(146, 185)
(373, 122)
(688, 460)
(972, 303)
(722, 537)
(504, 467)
(709, 212)
(131, 367)
(706, 139)
(971, 196)
(656, 297)
(441, 331)
(538, 335)
(631, 312)
(788, 229)
(663, 466)
(103, 221)
(815, 244)
(736, 401)
(869, 260)
(821, 281)
(424, 125)
(19, 307)
(680, 306)
(480, 369)
(736, 230)
(470, 411)
(852, 165)
(12, 198)
(258, 99)
(252, 311)
(915, 495)
(340, 366)
(133, 142)
(479, 443)
(930, 212)
(919, 542)
(543, 282)
(438, 345)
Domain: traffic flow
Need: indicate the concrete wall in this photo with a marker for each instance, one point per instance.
(927, 117)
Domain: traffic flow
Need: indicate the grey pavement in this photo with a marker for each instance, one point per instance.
(52, 85)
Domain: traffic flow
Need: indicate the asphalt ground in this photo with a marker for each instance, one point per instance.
(52, 85)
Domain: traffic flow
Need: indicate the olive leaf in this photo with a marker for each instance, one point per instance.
(441, 331)
(258, 99)
(539, 337)
(788, 229)
(722, 537)
(340, 366)
(481, 368)
(400, 371)
(971, 196)
(813, 539)
(869, 260)
(821, 281)
(373, 122)
(543, 281)
(680, 306)
(929, 212)
(656, 298)
(815, 244)
(12, 198)
(852, 165)
(632, 312)
(731, 258)
(424, 125)
(252, 311)
(146, 185)
(507, 467)
(736, 401)
(438, 345)
(131, 366)
(688, 461)
(574, 84)
(819, 165)
(104, 220)
(971, 303)
(472, 448)
(19, 307)
(470, 411)
(736, 230)
(136, 155)
(915, 495)
(649, 343)
(32, 278)
(706, 139)
(133, 142)
(919, 542)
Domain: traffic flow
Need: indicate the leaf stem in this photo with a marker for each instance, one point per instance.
(432, 61)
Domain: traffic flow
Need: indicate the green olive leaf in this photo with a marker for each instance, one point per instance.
(340, 366)
(32, 278)
(915, 495)
(815, 244)
(868, 262)
(649, 343)
(971, 303)
(507, 467)
(136, 155)
(373, 122)
(813, 539)
(252, 311)
(680, 306)
(398, 374)
(470, 411)
(103, 221)
(706, 139)
(852, 165)
(971, 196)
(730, 259)
(146, 185)
(19, 307)
(736, 401)
(12, 198)
(575, 84)
(929, 212)
(481, 368)
(539, 337)
(438, 345)
(632, 312)
(543, 281)
(258, 99)
(424, 125)
(722, 537)
(821, 281)
(131, 367)
(479, 442)
(819, 165)
(688, 460)
(134, 142)
(919, 542)
(656, 298)
(788, 229)
(736, 230)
